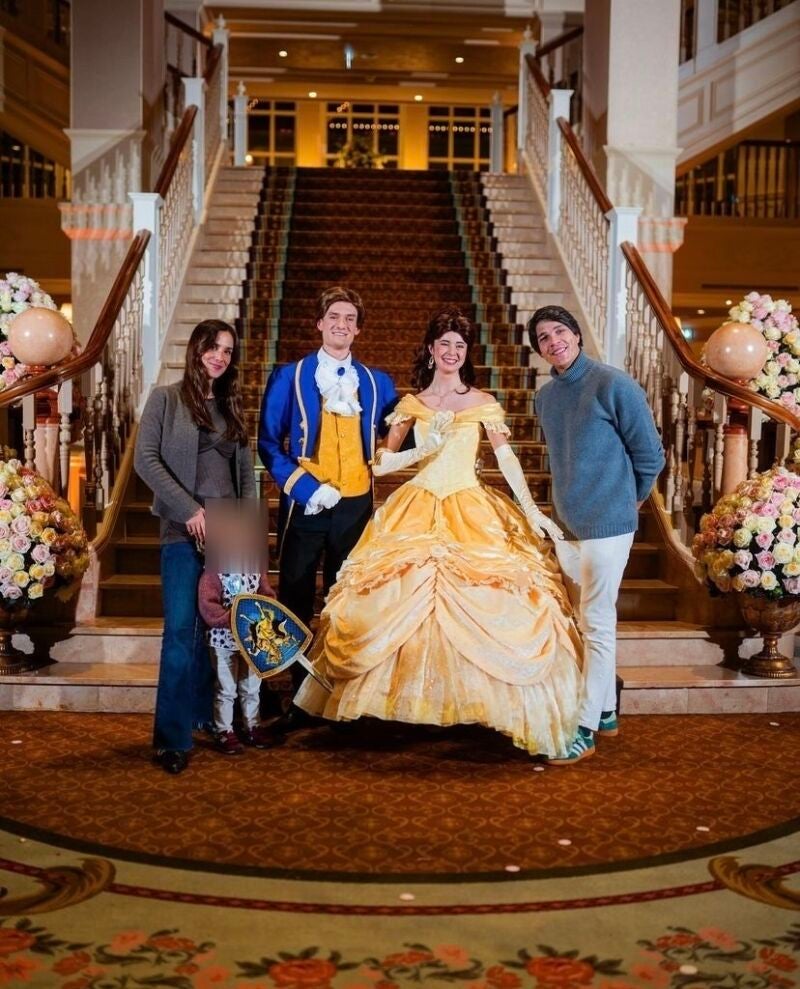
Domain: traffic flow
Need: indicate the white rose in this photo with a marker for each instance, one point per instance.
(783, 552)
(768, 580)
(772, 333)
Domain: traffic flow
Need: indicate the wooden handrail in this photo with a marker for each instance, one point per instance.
(510, 111)
(687, 360)
(536, 72)
(114, 505)
(561, 39)
(179, 139)
(587, 171)
(93, 351)
(211, 63)
(187, 29)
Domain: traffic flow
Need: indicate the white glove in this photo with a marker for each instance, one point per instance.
(387, 462)
(326, 496)
(512, 472)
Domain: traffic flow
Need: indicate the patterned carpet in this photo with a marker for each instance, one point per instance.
(396, 803)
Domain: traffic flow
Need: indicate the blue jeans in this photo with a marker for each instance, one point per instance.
(186, 677)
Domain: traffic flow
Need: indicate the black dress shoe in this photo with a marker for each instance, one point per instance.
(294, 719)
(172, 762)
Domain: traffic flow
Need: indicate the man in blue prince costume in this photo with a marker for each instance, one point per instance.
(321, 418)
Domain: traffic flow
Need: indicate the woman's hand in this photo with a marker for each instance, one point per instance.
(196, 525)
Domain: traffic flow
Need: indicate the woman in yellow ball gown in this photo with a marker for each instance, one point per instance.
(451, 609)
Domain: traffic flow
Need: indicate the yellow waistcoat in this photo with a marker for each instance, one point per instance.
(339, 459)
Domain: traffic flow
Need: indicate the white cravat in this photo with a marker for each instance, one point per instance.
(338, 384)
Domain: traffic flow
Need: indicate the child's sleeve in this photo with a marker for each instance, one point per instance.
(209, 602)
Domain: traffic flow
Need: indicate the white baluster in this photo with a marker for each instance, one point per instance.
(755, 421)
(64, 435)
(527, 47)
(221, 36)
(29, 430)
(623, 224)
(496, 153)
(146, 209)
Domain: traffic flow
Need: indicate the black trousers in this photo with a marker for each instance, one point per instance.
(329, 537)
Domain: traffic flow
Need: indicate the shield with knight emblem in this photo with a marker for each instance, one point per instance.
(270, 636)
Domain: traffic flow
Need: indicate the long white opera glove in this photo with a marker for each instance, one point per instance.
(512, 471)
(387, 462)
(326, 496)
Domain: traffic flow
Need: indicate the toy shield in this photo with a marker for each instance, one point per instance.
(270, 636)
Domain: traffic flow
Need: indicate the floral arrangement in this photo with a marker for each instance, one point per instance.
(749, 542)
(42, 542)
(780, 376)
(17, 293)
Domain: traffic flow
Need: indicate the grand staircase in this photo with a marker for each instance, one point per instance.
(407, 241)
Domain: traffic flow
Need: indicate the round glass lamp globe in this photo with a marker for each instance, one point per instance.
(737, 350)
(40, 337)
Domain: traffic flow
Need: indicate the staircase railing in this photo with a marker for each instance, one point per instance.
(715, 430)
(96, 394)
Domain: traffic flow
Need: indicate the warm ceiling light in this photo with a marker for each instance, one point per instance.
(248, 159)
(459, 59)
(313, 94)
(283, 53)
(729, 302)
(418, 98)
(701, 312)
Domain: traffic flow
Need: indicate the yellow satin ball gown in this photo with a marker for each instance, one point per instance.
(450, 610)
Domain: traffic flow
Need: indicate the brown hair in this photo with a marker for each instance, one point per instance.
(339, 294)
(445, 320)
(194, 387)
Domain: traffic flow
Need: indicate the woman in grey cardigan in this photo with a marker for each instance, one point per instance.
(192, 445)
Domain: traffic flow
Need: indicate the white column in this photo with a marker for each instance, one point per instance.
(527, 47)
(240, 126)
(559, 107)
(195, 95)
(146, 207)
(220, 36)
(498, 131)
(642, 122)
(623, 226)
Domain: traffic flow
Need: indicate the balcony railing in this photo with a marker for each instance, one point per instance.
(752, 179)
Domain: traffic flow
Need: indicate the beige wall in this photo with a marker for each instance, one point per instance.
(726, 257)
(38, 247)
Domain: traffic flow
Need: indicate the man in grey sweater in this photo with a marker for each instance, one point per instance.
(605, 455)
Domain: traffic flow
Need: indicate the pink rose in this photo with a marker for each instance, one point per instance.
(41, 553)
(743, 558)
(792, 584)
(779, 482)
(21, 525)
(724, 536)
(751, 578)
(764, 539)
(796, 515)
(727, 521)
(5, 575)
(787, 536)
(10, 592)
(6, 503)
(783, 359)
(765, 560)
(788, 399)
(773, 345)
(10, 376)
(5, 531)
(20, 544)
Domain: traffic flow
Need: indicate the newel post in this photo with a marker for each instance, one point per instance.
(146, 209)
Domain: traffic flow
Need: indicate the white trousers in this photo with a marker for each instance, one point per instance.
(593, 571)
(234, 678)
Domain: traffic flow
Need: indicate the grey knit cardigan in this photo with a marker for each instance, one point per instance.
(166, 456)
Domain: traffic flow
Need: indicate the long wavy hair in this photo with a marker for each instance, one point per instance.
(445, 320)
(194, 387)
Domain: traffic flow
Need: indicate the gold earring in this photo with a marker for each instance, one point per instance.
(431, 362)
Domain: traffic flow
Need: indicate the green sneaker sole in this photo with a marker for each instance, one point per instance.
(575, 759)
